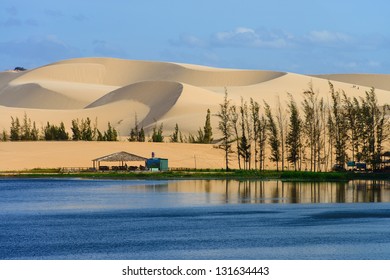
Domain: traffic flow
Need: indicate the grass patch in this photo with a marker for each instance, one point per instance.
(203, 174)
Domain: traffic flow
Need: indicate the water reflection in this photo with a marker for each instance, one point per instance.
(232, 191)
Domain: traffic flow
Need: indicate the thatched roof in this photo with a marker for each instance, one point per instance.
(120, 156)
(386, 154)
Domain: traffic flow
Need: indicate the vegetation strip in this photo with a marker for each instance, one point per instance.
(202, 174)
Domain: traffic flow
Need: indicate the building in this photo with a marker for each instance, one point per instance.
(157, 164)
(120, 160)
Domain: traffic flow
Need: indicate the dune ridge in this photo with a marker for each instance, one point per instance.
(379, 81)
(150, 93)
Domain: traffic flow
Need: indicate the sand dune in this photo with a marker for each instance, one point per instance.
(378, 81)
(172, 93)
(117, 91)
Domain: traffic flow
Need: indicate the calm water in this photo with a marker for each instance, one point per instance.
(195, 219)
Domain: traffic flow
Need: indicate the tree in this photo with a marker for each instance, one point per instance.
(273, 136)
(262, 141)
(224, 127)
(62, 134)
(111, 133)
(49, 132)
(136, 134)
(205, 135)
(175, 135)
(55, 133)
(4, 136)
(15, 129)
(82, 130)
(25, 129)
(76, 130)
(34, 132)
(255, 117)
(141, 135)
(280, 117)
(312, 127)
(293, 138)
(375, 129)
(157, 135)
(233, 118)
(245, 146)
(18, 69)
(207, 129)
(86, 130)
(339, 127)
(352, 110)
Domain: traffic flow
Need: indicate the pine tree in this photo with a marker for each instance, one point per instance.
(255, 116)
(15, 129)
(234, 117)
(273, 136)
(175, 135)
(313, 125)
(4, 136)
(111, 133)
(293, 139)
(224, 127)
(351, 109)
(62, 134)
(34, 133)
(280, 117)
(207, 130)
(141, 135)
(157, 135)
(262, 141)
(245, 146)
(76, 130)
(26, 129)
(340, 127)
(136, 134)
(86, 130)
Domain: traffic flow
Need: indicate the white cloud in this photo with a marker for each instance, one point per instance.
(248, 37)
(328, 37)
(191, 41)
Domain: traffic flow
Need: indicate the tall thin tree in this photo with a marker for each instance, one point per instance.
(273, 136)
(224, 126)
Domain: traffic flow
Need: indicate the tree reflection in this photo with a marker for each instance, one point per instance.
(305, 192)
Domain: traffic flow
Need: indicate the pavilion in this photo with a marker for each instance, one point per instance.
(121, 158)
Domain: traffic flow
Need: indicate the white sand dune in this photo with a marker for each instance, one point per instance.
(117, 91)
(378, 81)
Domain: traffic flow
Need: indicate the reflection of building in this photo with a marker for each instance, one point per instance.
(385, 164)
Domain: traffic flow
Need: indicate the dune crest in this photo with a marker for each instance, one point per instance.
(159, 96)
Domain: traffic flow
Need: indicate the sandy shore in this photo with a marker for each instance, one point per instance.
(29, 155)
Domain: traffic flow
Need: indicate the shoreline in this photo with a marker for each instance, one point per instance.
(202, 174)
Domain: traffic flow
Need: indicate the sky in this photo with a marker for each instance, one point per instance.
(301, 36)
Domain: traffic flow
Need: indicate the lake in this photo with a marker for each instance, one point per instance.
(193, 219)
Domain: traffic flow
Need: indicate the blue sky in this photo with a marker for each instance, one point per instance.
(302, 36)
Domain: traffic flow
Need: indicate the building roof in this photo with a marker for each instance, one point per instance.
(386, 154)
(120, 156)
